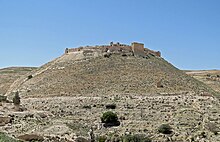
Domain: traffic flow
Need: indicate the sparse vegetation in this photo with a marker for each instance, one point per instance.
(16, 99)
(165, 129)
(110, 119)
(30, 76)
(4, 138)
(78, 128)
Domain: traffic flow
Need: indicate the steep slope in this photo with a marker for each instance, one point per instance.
(9, 75)
(79, 74)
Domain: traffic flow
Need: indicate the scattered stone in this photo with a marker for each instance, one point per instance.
(5, 120)
(30, 137)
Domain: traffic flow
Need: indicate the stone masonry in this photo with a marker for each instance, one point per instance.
(136, 49)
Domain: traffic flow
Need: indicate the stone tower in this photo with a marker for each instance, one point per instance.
(138, 49)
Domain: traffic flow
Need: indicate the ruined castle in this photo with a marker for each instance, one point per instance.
(135, 49)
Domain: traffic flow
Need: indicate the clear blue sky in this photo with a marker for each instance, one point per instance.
(187, 32)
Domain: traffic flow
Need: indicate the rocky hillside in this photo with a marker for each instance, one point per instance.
(77, 73)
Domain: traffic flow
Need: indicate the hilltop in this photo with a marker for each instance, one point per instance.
(64, 99)
(108, 70)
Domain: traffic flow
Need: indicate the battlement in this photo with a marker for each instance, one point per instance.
(135, 49)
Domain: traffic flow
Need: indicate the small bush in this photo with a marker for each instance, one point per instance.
(165, 129)
(16, 99)
(110, 106)
(110, 119)
(30, 76)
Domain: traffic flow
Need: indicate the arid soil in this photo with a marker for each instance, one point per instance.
(9, 75)
(209, 77)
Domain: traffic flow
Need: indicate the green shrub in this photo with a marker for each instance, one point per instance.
(110, 106)
(165, 129)
(110, 119)
(16, 99)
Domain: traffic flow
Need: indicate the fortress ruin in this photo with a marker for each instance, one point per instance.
(135, 49)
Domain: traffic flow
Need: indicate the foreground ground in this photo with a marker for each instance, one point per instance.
(66, 118)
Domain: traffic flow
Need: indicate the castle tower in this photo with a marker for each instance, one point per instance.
(138, 49)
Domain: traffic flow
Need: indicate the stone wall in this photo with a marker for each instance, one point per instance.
(68, 50)
(136, 49)
(155, 53)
